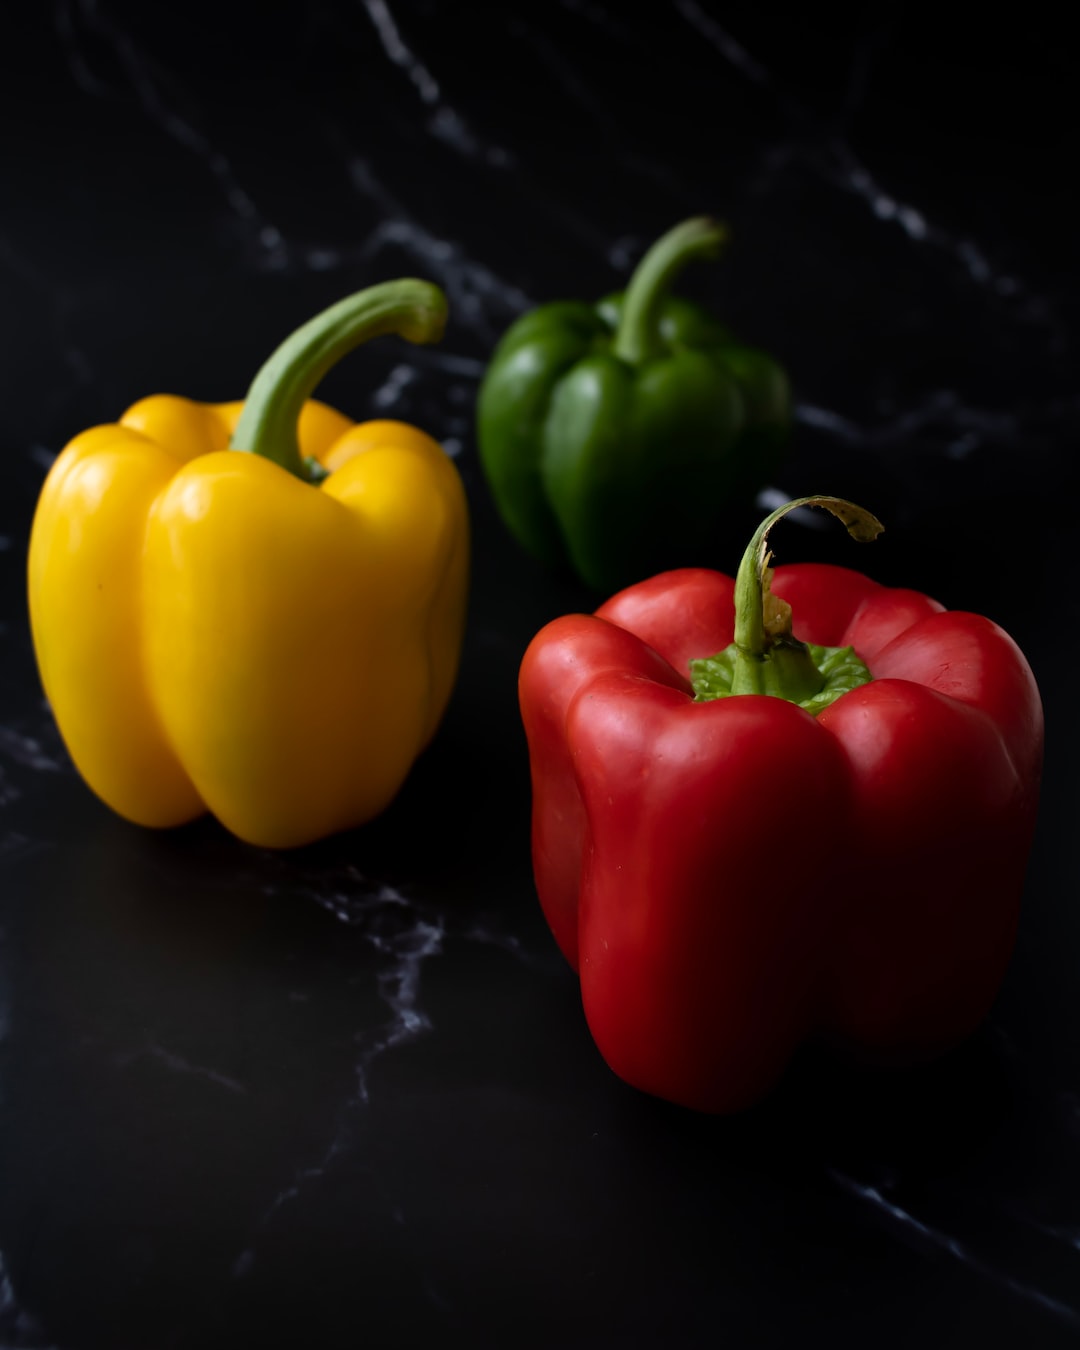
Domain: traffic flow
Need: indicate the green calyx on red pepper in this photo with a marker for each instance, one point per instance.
(660, 821)
(614, 435)
(765, 657)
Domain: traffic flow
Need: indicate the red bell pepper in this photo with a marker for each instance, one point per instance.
(784, 840)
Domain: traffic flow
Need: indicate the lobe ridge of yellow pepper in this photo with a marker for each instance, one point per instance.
(214, 634)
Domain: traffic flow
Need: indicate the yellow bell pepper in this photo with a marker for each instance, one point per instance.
(274, 635)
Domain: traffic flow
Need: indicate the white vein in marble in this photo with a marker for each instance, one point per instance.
(156, 94)
(406, 935)
(835, 159)
(910, 1227)
(176, 1063)
(470, 285)
(28, 751)
(446, 122)
(940, 411)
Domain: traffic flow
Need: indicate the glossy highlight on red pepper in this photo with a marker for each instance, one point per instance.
(732, 876)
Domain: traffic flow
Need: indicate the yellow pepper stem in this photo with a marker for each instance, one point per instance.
(415, 310)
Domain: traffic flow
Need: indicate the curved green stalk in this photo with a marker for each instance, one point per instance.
(415, 310)
(637, 337)
(766, 657)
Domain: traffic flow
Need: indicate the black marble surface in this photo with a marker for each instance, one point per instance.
(345, 1095)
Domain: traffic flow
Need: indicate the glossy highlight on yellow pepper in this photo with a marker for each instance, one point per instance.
(255, 609)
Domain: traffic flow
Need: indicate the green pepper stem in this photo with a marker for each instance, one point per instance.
(769, 659)
(637, 338)
(416, 310)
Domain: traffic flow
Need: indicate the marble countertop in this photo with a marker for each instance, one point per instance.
(345, 1094)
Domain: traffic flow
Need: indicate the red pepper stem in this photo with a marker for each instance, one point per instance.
(416, 310)
(769, 659)
(637, 338)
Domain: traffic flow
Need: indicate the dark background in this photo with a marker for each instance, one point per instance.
(346, 1095)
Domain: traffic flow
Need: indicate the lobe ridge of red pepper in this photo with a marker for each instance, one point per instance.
(658, 822)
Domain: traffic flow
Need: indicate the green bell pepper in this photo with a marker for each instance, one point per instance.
(613, 435)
